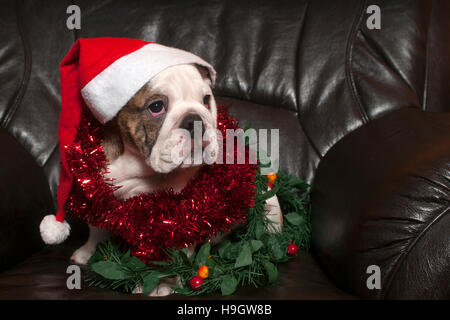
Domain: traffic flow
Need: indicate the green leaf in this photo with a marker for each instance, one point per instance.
(259, 230)
(203, 254)
(135, 263)
(224, 248)
(275, 248)
(228, 285)
(272, 272)
(256, 245)
(245, 257)
(294, 218)
(96, 257)
(125, 257)
(109, 270)
(233, 251)
(132, 262)
(150, 281)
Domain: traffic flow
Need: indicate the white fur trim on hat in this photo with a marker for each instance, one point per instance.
(53, 231)
(112, 88)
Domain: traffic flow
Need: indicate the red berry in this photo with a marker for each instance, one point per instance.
(292, 249)
(196, 282)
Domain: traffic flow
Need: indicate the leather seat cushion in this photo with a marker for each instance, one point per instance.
(43, 276)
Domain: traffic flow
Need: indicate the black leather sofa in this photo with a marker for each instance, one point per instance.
(363, 117)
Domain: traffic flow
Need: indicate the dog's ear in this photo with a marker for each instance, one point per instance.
(112, 142)
(205, 75)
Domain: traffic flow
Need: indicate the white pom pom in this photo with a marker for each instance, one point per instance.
(53, 231)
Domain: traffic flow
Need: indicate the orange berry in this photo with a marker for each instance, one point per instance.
(272, 177)
(203, 272)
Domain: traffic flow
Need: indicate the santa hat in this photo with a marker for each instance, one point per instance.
(103, 74)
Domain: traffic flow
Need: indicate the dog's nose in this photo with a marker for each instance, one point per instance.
(189, 121)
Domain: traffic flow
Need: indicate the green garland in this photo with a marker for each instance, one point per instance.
(249, 256)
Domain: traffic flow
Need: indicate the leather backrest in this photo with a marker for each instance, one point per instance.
(314, 61)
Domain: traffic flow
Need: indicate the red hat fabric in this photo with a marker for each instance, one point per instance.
(103, 74)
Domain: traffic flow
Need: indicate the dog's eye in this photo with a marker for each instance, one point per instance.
(157, 108)
(206, 100)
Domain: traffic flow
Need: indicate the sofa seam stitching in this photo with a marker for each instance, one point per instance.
(349, 61)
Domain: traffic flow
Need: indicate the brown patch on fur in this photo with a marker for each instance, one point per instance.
(135, 125)
(112, 143)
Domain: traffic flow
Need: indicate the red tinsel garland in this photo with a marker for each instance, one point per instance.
(218, 198)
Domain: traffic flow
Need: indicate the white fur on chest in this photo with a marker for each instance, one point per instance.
(135, 176)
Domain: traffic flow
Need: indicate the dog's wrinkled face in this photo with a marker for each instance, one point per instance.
(172, 100)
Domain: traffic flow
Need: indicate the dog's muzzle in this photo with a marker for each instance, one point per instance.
(192, 122)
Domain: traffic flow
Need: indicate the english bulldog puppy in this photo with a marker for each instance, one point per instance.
(139, 144)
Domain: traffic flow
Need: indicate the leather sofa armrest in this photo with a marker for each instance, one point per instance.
(381, 197)
(24, 199)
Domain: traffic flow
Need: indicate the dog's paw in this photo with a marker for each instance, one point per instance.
(161, 290)
(274, 214)
(138, 290)
(82, 255)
